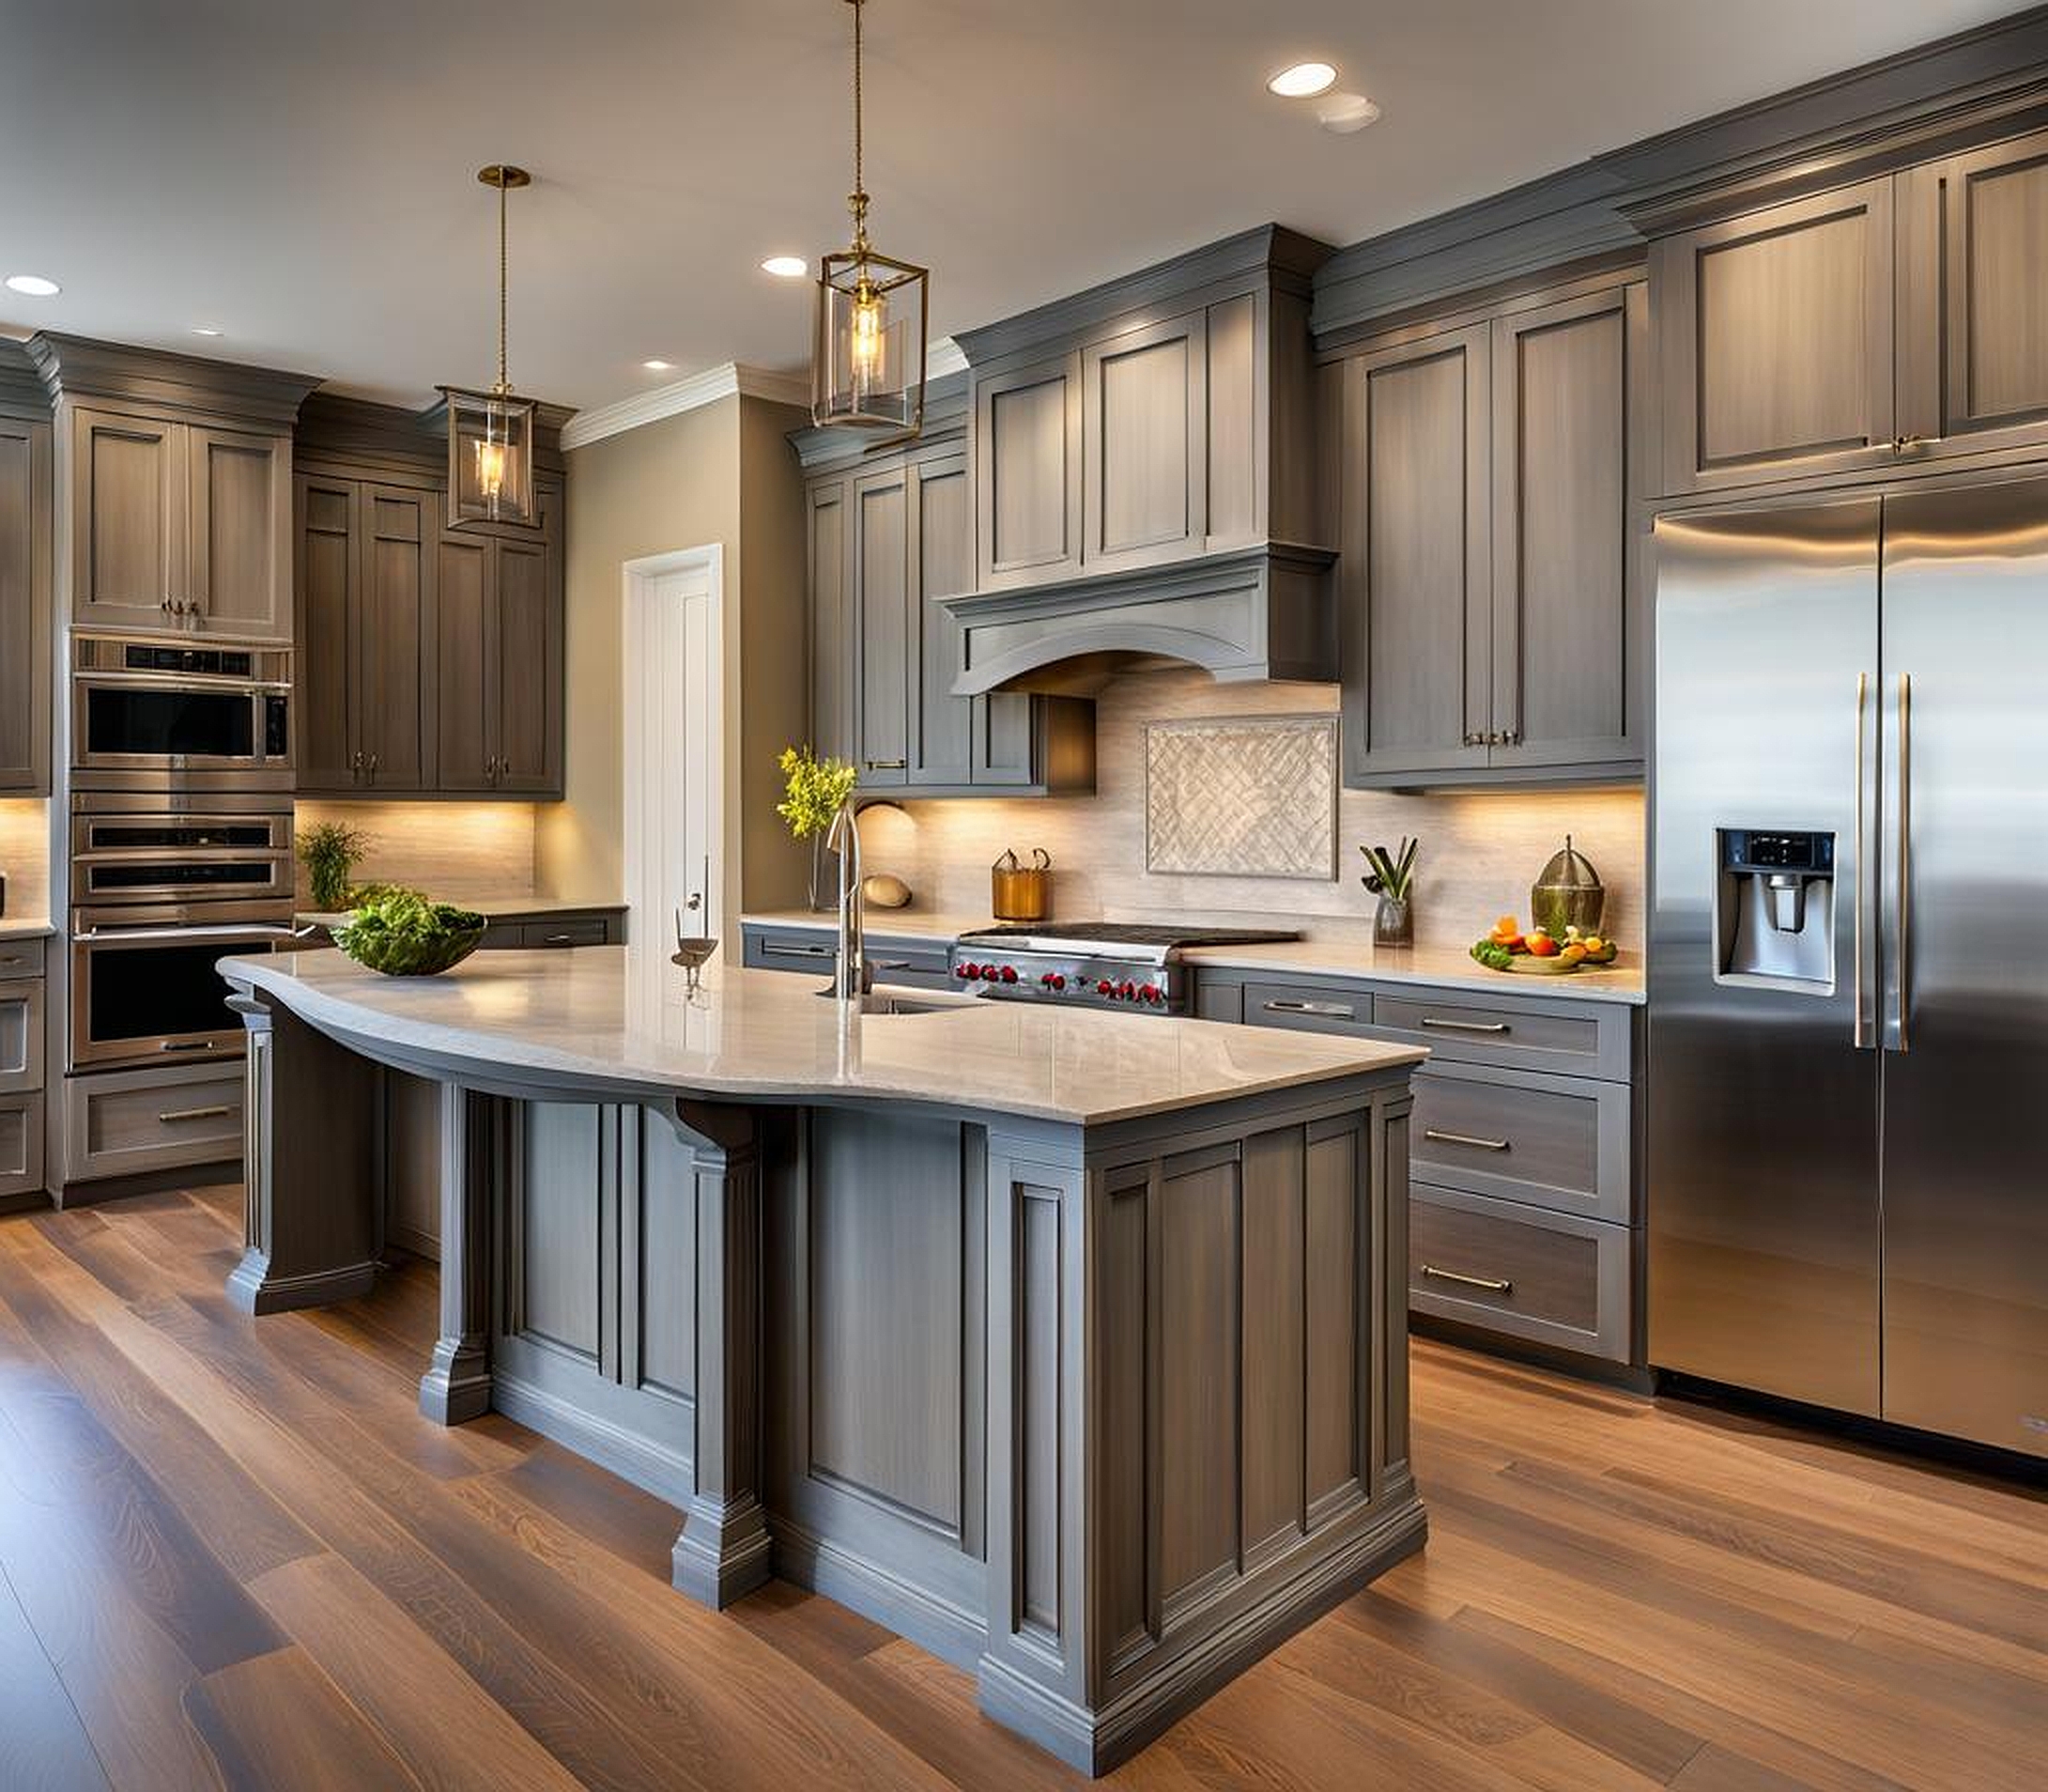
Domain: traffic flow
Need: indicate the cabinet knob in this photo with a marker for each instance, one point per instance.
(1905, 444)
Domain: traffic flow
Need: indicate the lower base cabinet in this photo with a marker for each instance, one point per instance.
(21, 1146)
(125, 1122)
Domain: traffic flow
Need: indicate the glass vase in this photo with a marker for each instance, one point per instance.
(1393, 922)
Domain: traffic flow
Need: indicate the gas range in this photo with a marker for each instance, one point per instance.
(1092, 963)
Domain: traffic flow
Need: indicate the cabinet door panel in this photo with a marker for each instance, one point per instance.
(240, 509)
(942, 562)
(325, 690)
(1415, 575)
(831, 638)
(128, 528)
(882, 652)
(522, 664)
(1027, 477)
(398, 528)
(1144, 445)
(25, 605)
(1565, 647)
(464, 685)
(1972, 351)
(1776, 339)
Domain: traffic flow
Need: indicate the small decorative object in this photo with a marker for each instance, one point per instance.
(1391, 877)
(1242, 796)
(1540, 953)
(330, 850)
(692, 951)
(1019, 892)
(1568, 895)
(490, 434)
(882, 890)
(816, 790)
(406, 934)
(868, 364)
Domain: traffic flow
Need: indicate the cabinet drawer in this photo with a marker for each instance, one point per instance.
(152, 1120)
(1309, 1008)
(21, 958)
(576, 930)
(1559, 1142)
(21, 1036)
(1585, 1039)
(21, 1144)
(1552, 1278)
(797, 952)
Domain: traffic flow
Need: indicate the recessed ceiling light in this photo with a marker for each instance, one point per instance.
(35, 286)
(786, 267)
(658, 367)
(1344, 113)
(203, 329)
(1305, 81)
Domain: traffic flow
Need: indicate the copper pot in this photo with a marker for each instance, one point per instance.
(1019, 892)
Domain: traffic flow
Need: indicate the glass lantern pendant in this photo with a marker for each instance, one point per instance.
(867, 362)
(490, 434)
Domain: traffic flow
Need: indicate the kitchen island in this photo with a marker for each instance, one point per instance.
(1071, 1345)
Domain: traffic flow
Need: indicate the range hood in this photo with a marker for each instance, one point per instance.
(1149, 488)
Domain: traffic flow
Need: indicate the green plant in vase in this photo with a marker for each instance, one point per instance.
(330, 850)
(1391, 877)
(815, 790)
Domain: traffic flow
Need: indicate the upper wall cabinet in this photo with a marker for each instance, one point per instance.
(1490, 628)
(1147, 481)
(24, 604)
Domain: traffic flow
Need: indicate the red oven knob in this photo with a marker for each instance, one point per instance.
(1053, 979)
(990, 974)
(1129, 992)
(964, 971)
(1010, 973)
(1151, 993)
(1105, 987)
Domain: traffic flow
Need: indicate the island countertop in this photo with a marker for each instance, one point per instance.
(606, 1016)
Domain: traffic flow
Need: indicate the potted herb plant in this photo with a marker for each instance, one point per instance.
(816, 790)
(330, 851)
(1391, 877)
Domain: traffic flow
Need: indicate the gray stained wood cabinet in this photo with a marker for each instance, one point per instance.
(179, 526)
(25, 520)
(366, 563)
(885, 543)
(1487, 598)
(1878, 326)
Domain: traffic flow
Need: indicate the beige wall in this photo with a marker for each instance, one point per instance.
(1479, 853)
(722, 473)
(458, 852)
(24, 856)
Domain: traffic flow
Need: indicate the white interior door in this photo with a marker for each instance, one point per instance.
(674, 746)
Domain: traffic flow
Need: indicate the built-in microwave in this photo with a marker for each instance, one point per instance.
(149, 712)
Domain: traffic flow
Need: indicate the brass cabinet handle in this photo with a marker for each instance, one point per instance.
(1334, 1011)
(1464, 1027)
(889, 764)
(1490, 1284)
(1474, 739)
(781, 948)
(373, 764)
(177, 1114)
(1465, 1139)
(13, 958)
(1902, 444)
(1906, 846)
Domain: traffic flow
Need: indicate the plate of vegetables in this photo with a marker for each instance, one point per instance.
(1537, 953)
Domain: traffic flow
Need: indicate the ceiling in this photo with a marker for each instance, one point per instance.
(301, 176)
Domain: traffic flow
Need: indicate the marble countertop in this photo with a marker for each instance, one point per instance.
(493, 908)
(613, 1014)
(1439, 967)
(25, 927)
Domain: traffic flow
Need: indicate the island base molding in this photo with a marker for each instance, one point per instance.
(1101, 1413)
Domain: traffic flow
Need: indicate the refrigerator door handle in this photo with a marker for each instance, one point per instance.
(1901, 955)
(1863, 1015)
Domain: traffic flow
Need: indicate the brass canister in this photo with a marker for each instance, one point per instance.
(1019, 892)
(1568, 894)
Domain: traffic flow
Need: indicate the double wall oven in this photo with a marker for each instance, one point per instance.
(181, 842)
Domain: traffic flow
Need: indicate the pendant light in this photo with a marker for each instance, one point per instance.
(868, 360)
(490, 434)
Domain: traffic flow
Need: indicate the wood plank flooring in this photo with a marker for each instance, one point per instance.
(232, 1555)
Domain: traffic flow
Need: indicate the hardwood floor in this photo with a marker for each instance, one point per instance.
(231, 1555)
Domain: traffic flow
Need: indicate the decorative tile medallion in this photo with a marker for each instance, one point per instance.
(1242, 796)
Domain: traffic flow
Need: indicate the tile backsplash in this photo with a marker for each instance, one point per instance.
(1479, 852)
(24, 855)
(462, 851)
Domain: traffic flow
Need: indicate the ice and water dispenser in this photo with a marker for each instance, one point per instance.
(1775, 909)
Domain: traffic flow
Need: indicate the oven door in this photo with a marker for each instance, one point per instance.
(190, 857)
(151, 995)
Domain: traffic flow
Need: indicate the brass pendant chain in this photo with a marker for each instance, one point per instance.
(504, 385)
(857, 200)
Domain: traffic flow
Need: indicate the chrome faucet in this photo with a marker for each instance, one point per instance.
(852, 975)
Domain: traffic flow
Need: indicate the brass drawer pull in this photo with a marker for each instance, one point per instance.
(177, 1114)
(1333, 1011)
(889, 764)
(1465, 1139)
(1486, 1282)
(13, 958)
(1465, 1027)
(782, 950)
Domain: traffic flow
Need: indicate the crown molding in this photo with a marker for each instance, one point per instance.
(707, 388)
(944, 357)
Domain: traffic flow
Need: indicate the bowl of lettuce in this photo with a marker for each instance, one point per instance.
(403, 933)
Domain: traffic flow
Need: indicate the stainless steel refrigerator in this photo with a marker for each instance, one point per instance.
(1848, 1134)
